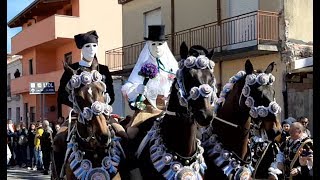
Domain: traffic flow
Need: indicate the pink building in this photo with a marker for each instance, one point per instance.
(46, 39)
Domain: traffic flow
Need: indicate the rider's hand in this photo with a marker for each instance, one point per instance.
(141, 89)
(294, 171)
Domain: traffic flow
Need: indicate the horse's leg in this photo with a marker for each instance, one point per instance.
(59, 149)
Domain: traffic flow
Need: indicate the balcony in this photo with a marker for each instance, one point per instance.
(251, 33)
(55, 27)
(22, 84)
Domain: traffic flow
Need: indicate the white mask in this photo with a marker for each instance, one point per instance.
(156, 48)
(89, 50)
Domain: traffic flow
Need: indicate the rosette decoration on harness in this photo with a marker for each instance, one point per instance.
(97, 107)
(219, 146)
(80, 87)
(204, 90)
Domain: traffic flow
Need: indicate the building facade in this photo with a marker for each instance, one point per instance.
(15, 109)
(46, 39)
(260, 30)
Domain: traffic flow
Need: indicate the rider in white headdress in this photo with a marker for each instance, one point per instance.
(156, 91)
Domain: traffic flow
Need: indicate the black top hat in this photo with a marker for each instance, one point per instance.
(88, 37)
(156, 33)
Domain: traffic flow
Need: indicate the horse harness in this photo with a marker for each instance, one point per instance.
(229, 162)
(75, 155)
(170, 164)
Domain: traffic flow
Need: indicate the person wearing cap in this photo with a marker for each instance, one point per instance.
(88, 43)
(285, 130)
(156, 91)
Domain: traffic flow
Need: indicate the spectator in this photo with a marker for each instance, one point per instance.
(56, 127)
(8, 154)
(31, 136)
(285, 130)
(37, 147)
(11, 142)
(23, 143)
(292, 161)
(305, 121)
(46, 143)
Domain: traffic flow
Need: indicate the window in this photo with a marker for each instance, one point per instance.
(18, 114)
(69, 11)
(68, 58)
(152, 18)
(32, 114)
(30, 67)
(9, 113)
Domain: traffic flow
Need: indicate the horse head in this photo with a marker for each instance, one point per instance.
(194, 85)
(90, 100)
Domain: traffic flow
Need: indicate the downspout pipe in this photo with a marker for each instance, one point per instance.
(172, 26)
(220, 58)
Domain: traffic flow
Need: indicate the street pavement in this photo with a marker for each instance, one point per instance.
(17, 173)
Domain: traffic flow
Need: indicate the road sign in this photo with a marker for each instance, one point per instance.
(42, 88)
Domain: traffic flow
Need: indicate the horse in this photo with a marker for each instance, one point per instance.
(247, 99)
(89, 147)
(171, 148)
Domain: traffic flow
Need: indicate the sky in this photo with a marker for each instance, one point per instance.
(14, 7)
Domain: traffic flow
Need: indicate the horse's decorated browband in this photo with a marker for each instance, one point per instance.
(251, 79)
(204, 90)
(97, 107)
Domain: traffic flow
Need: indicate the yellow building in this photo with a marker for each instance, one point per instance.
(262, 30)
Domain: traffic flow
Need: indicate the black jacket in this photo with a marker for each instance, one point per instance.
(63, 94)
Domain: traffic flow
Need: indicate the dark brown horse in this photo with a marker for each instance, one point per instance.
(247, 98)
(89, 147)
(171, 148)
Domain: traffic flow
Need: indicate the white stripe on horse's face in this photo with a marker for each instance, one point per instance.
(90, 91)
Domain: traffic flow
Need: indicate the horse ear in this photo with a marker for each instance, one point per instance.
(270, 68)
(67, 68)
(183, 50)
(210, 54)
(248, 67)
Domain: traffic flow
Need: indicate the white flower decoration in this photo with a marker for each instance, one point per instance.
(87, 113)
(249, 102)
(253, 112)
(96, 76)
(233, 79)
(107, 98)
(274, 108)
(240, 74)
(251, 79)
(272, 79)
(211, 64)
(205, 90)
(75, 81)
(108, 109)
(86, 77)
(181, 63)
(246, 91)
(228, 87)
(263, 79)
(262, 111)
(194, 93)
(202, 62)
(97, 107)
(190, 62)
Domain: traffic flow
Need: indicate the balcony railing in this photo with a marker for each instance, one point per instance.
(254, 28)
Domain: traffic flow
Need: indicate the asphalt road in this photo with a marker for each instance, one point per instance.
(17, 173)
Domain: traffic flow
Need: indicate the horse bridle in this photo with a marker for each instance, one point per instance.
(204, 90)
